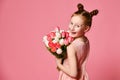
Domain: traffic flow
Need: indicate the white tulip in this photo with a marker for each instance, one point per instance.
(57, 29)
(58, 35)
(56, 39)
(59, 51)
(62, 31)
(46, 43)
(61, 41)
(44, 38)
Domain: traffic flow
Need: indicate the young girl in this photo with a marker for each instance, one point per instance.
(74, 66)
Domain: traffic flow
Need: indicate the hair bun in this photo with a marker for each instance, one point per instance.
(80, 7)
(94, 12)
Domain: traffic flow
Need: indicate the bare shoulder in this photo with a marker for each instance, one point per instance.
(79, 42)
(71, 49)
(70, 46)
(83, 40)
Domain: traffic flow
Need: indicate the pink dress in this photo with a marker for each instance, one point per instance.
(82, 49)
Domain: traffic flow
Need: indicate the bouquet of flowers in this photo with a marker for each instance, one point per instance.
(57, 41)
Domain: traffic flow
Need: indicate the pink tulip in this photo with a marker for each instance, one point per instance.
(52, 34)
(66, 34)
(49, 38)
(63, 34)
(53, 49)
(57, 29)
(66, 41)
(57, 45)
(51, 44)
(70, 39)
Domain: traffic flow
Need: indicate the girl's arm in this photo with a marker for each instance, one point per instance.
(72, 70)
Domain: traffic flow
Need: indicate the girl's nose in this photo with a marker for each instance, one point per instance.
(72, 27)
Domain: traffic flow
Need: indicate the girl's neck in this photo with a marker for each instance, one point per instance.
(82, 38)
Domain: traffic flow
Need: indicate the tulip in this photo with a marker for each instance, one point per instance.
(58, 35)
(51, 44)
(62, 31)
(63, 34)
(46, 43)
(66, 41)
(49, 38)
(57, 45)
(66, 34)
(44, 38)
(61, 41)
(70, 39)
(52, 34)
(57, 29)
(56, 39)
(53, 49)
(59, 51)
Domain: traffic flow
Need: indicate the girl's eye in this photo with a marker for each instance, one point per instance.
(71, 23)
(78, 26)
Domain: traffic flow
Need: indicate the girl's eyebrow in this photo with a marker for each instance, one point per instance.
(81, 24)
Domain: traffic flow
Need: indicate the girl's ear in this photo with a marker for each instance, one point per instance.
(87, 28)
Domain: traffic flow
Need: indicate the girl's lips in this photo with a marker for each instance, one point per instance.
(73, 32)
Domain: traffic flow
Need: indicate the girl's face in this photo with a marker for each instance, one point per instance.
(77, 26)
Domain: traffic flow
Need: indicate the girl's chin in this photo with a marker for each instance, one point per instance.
(73, 35)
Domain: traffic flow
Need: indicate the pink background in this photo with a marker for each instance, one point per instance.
(23, 23)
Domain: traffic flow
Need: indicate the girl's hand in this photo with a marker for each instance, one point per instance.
(58, 61)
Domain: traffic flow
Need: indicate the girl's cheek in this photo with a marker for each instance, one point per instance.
(77, 29)
(69, 26)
